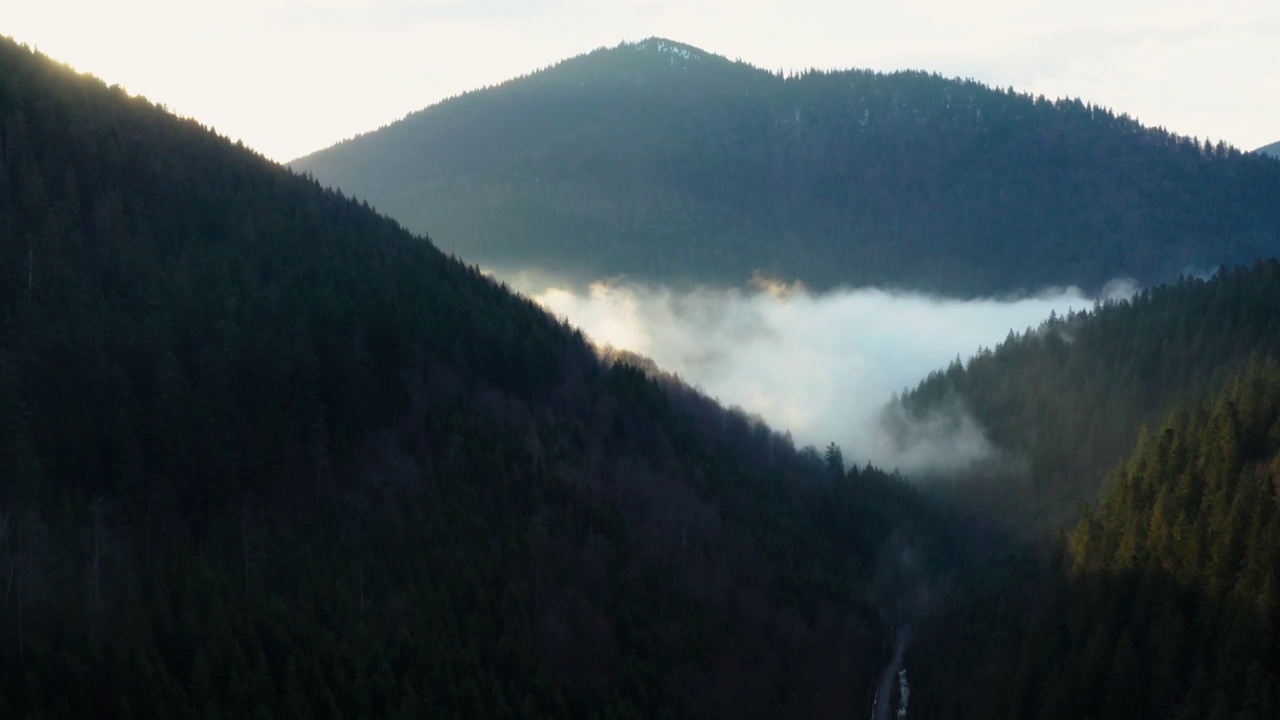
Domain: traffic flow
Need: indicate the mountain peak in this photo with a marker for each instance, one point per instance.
(666, 46)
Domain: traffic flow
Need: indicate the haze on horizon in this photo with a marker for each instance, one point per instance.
(288, 77)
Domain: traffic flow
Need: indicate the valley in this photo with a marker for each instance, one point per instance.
(819, 366)
(816, 378)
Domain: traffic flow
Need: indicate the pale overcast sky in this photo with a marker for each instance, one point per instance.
(292, 76)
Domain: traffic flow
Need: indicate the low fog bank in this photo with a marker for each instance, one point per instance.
(821, 366)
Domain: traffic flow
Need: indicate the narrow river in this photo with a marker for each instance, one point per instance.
(884, 694)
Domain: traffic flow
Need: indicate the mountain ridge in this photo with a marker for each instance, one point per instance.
(263, 452)
(1070, 397)
(623, 161)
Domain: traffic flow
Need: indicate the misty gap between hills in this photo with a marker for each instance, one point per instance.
(823, 367)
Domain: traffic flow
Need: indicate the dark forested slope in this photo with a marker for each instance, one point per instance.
(666, 162)
(263, 453)
(1164, 602)
(1273, 149)
(1065, 402)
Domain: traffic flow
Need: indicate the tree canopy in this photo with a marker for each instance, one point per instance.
(264, 453)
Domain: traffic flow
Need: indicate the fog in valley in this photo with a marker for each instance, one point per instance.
(822, 366)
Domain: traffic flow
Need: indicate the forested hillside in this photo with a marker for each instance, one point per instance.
(266, 454)
(667, 163)
(1273, 149)
(1065, 402)
(1162, 602)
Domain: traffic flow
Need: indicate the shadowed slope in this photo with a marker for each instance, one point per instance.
(263, 453)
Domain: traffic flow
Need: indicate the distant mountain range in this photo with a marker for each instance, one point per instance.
(1273, 149)
(666, 162)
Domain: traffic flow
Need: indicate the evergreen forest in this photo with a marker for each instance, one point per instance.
(266, 453)
(1160, 602)
(663, 162)
(1066, 401)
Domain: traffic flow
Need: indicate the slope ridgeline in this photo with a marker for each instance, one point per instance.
(263, 453)
(1065, 402)
(668, 163)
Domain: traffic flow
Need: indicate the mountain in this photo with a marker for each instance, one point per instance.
(1136, 449)
(1273, 150)
(664, 162)
(1064, 403)
(267, 454)
(1162, 601)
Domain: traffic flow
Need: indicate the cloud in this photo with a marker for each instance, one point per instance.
(822, 366)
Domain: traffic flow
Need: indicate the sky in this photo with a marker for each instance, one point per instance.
(821, 366)
(288, 77)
